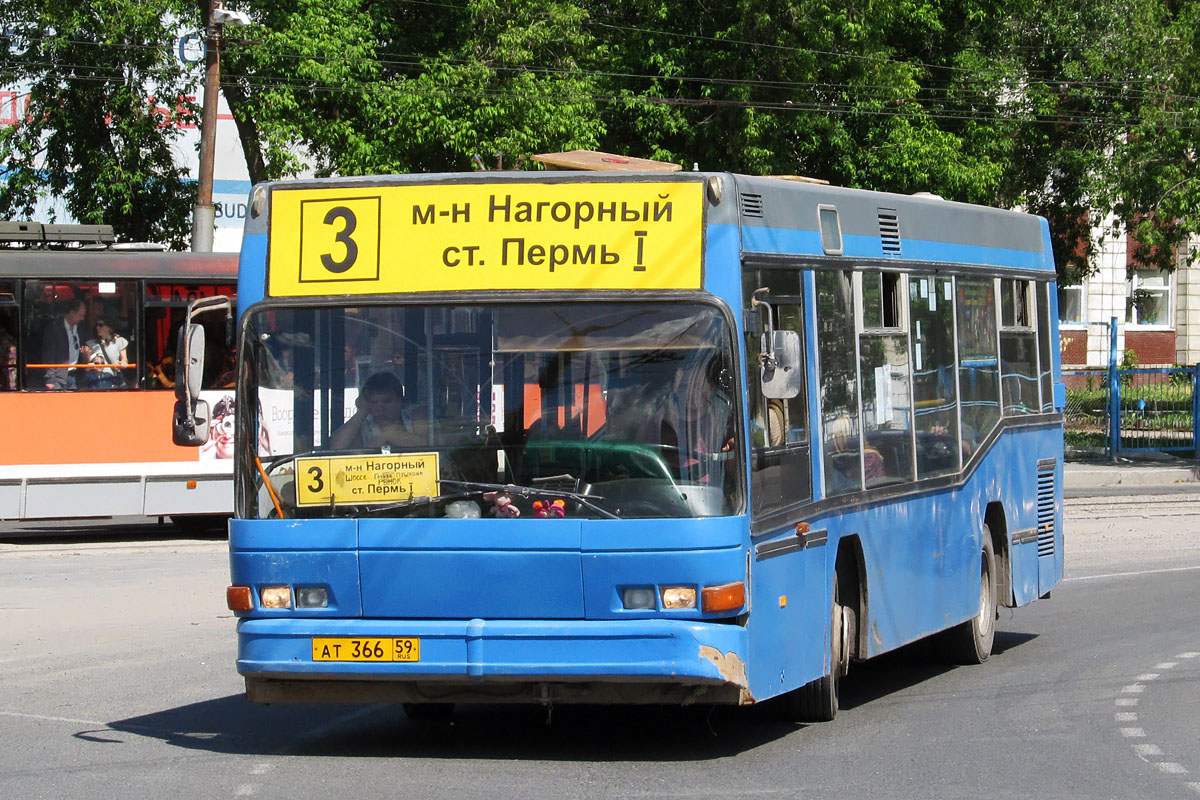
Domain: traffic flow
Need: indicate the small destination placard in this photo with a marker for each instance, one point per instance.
(364, 480)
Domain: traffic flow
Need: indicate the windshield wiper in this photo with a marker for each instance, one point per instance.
(420, 500)
(531, 491)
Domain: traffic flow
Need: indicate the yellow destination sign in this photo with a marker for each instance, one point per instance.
(445, 237)
(363, 480)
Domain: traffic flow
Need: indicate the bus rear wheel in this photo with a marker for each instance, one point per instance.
(970, 642)
(817, 701)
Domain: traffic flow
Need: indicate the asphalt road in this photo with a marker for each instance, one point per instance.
(117, 680)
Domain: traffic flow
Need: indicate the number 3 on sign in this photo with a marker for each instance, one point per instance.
(339, 239)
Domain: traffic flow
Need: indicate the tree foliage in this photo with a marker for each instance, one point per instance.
(96, 78)
(1084, 111)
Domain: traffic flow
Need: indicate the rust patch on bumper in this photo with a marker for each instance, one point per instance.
(731, 668)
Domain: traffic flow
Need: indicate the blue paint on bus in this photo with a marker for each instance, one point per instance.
(538, 609)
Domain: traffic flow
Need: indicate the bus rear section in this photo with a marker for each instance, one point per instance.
(544, 506)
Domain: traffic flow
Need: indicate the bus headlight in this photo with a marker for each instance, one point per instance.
(312, 597)
(275, 596)
(678, 597)
(637, 597)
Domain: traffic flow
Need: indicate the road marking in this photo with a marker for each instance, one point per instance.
(1150, 753)
(1144, 751)
(1131, 575)
(45, 718)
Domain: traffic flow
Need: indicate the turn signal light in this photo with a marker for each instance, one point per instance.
(727, 597)
(239, 598)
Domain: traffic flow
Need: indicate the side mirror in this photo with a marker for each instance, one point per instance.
(190, 418)
(781, 375)
(189, 362)
(190, 424)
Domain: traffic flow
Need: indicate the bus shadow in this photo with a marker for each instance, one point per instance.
(488, 732)
(517, 732)
(910, 666)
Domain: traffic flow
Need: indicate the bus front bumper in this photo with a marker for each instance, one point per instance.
(561, 661)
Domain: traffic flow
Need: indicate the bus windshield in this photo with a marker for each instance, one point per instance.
(599, 409)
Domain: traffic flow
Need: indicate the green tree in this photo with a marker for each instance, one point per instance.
(346, 87)
(96, 130)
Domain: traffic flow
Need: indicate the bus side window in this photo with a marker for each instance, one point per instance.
(884, 365)
(780, 461)
(978, 361)
(1018, 349)
(1046, 340)
(837, 356)
(935, 391)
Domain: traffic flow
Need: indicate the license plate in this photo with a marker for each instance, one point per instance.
(343, 648)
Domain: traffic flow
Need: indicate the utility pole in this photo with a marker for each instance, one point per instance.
(204, 215)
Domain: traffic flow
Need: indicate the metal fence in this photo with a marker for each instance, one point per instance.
(1131, 410)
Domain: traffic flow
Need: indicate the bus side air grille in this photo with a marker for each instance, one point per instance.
(1045, 507)
(889, 231)
(752, 205)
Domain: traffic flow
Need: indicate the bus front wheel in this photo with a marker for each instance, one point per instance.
(970, 642)
(817, 701)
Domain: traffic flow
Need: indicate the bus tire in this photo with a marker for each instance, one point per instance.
(428, 712)
(970, 642)
(817, 701)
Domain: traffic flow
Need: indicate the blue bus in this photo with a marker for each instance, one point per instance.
(631, 436)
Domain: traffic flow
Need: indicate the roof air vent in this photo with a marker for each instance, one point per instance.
(752, 205)
(889, 231)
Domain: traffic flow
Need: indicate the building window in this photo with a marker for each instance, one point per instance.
(1072, 305)
(1148, 297)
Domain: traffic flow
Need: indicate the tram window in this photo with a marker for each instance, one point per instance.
(781, 465)
(55, 355)
(978, 364)
(836, 359)
(166, 309)
(10, 332)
